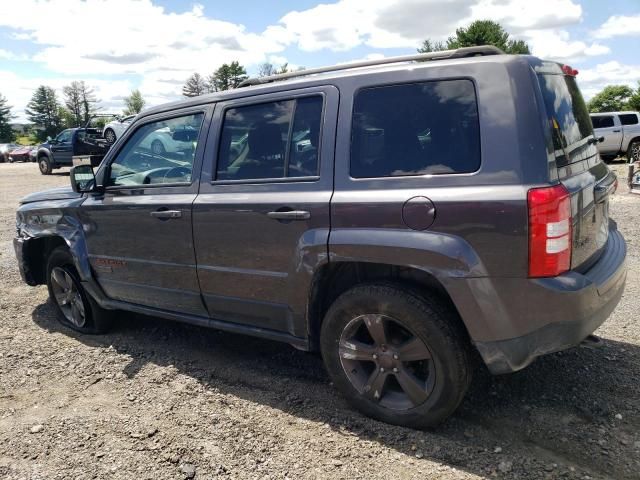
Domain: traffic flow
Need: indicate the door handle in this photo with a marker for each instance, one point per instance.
(166, 214)
(616, 131)
(290, 215)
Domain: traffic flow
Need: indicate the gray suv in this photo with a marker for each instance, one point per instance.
(399, 216)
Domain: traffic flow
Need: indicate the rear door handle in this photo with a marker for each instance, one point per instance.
(166, 214)
(290, 215)
(616, 131)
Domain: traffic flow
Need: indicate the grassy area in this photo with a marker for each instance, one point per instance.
(25, 140)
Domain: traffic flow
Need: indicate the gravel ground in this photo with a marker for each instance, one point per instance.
(159, 400)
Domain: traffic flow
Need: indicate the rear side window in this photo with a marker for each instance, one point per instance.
(271, 140)
(415, 129)
(628, 119)
(602, 122)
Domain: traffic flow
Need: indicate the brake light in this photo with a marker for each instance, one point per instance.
(567, 70)
(549, 231)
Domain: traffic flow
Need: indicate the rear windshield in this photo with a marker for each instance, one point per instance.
(568, 118)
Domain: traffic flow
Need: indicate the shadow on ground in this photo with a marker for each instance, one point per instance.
(556, 411)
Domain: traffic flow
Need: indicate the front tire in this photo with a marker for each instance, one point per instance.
(396, 355)
(157, 147)
(44, 164)
(110, 135)
(74, 307)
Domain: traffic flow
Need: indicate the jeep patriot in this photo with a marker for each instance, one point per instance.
(401, 216)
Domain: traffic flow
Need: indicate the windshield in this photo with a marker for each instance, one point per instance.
(568, 118)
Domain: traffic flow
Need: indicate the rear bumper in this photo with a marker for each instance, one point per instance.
(544, 315)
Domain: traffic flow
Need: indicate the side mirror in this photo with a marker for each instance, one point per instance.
(48, 138)
(82, 179)
(600, 139)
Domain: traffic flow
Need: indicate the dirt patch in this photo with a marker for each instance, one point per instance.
(155, 399)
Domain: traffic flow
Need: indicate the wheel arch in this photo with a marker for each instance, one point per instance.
(334, 278)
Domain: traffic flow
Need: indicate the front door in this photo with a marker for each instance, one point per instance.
(261, 221)
(139, 238)
(62, 147)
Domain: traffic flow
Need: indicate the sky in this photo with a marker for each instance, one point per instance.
(155, 45)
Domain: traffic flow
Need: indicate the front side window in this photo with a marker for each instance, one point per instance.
(601, 122)
(271, 140)
(415, 129)
(158, 152)
(64, 137)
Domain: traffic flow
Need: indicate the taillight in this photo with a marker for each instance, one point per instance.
(549, 231)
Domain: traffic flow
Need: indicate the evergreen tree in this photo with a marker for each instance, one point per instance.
(480, 32)
(195, 85)
(44, 111)
(226, 77)
(134, 103)
(6, 132)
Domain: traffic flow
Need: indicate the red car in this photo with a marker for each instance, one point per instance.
(20, 154)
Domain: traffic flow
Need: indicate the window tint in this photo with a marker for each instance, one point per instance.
(158, 152)
(602, 122)
(629, 119)
(568, 118)
(271, 140)
(415, 129)
(65, 136)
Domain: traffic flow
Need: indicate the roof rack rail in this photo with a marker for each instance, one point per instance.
(442, 55)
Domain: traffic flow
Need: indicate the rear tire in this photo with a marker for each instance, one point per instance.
(44, 164)
(633, 152)
(396, 355)
(74, 307)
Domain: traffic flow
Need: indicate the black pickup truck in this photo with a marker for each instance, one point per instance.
(73, 142)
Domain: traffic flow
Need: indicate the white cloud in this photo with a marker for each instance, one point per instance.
(619, 25)
(592, 80)
(557, 45)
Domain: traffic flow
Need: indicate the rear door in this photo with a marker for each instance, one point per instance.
(578, 164)
(608, 126)
(261, 220)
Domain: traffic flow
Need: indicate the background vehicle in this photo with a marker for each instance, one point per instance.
(400, 219)
(621, 132)
(114, 129)
(21, 154)
(59, 152)
(5, 149)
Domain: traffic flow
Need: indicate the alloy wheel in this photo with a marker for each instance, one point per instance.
(68, 296)
(386, 362)
(110, 136)
(635, 152)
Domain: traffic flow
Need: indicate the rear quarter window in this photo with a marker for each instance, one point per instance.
(415, 129)
(628, 118)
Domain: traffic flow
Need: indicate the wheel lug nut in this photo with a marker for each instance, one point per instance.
(395, 370)
(395, 356)
(382, 369)
(375, 357)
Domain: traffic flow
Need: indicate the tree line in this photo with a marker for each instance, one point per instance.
(616, 98)
(50, 115)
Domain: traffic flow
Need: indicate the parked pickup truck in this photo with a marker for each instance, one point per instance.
(621, 133)
(72, 142)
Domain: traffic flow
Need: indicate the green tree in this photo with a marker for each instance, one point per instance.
(194, 86)
(6, 132)
(134, 103)
(634, 100)
(226, 77)
(613, 98)
(44, 111)
(73, 101)
(480, 32)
